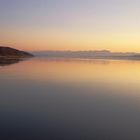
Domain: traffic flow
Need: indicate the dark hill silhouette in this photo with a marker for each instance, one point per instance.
(9, 52)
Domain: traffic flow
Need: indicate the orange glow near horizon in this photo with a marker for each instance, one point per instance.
(41, 41)
(68, 25)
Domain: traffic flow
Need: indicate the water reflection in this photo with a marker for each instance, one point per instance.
(9, 61)
(70, 100)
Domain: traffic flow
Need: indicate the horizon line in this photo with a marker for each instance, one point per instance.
(98, 50)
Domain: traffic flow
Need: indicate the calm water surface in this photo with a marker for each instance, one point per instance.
(70, 99)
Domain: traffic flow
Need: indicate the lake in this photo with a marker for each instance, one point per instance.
(70, 99)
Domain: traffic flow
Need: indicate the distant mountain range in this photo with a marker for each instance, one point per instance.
(8, 52)
(105, 54)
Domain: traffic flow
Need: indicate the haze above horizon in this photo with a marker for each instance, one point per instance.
(71, 25)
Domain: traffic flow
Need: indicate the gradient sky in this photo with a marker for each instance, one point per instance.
(70, 24)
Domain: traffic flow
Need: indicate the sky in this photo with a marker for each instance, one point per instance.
(70, 24)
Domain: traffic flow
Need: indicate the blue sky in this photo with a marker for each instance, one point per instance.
(73, 24)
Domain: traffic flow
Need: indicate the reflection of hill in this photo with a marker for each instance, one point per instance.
(10, 55)
(9, 61)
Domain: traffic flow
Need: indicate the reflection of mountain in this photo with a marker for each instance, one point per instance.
(8, 61)
(104, 54)
(10, 56)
